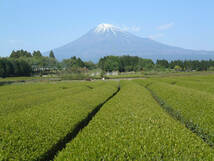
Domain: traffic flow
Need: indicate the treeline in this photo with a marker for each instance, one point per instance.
(133, 63)
(40, 62)
(23, 63)
(124, 63)
(36, 60)
(12, 67)
(24, 53)
(75, 64)
(187, 65)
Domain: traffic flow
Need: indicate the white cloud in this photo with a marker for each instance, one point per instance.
(166, 26)
(156, 36)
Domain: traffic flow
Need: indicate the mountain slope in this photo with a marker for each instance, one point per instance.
(107, 39)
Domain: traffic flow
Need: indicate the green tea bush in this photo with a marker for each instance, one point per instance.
(31, 133)
(132, 126)
(192, 107)
(29, 96)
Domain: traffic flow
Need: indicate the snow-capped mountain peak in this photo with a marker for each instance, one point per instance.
(106, 39)
(106, 28)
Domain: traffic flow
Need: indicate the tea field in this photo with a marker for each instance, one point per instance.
(165, 118)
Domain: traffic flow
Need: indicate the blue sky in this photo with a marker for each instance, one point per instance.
(47, 24)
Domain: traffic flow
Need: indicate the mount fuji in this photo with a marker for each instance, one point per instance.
(107, 39)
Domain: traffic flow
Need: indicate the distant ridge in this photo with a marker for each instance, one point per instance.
(107, 39)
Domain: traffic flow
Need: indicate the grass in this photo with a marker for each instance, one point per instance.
(9, 79)
(124, 76)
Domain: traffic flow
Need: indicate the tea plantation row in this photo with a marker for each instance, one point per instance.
(132, 126)
(30, 133)
(193, 107)
(151, 119)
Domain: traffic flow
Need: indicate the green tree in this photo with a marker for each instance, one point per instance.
(109, 63)
(20, 53)
(124, 63)
(2, 68)
(177, 68)
(73, 64)
(90, 65)
(51, 55)
(37, 53)
(9, 69)
(163, 63)
(14, 67)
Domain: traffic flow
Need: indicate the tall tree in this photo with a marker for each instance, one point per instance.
(124, 63)
(37, 53)
(20, 53)
(2, 68)
(14, 67)
(51, 55)
(163, 63)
